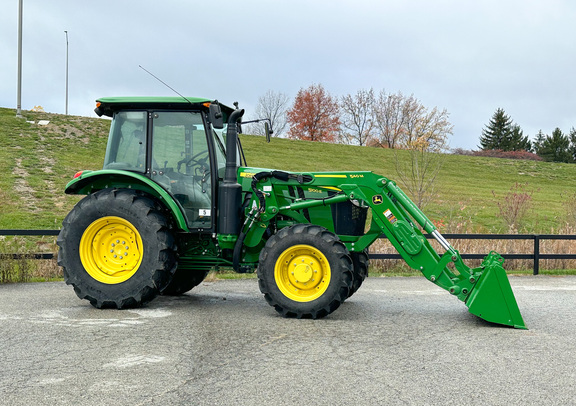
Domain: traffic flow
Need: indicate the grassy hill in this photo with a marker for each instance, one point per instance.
(36, 162)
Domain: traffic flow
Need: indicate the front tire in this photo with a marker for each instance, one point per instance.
(117, 249)
(185, 280)
(305, 271)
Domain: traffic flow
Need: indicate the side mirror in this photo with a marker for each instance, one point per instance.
(268, 131)
(267, 126)
(216, 117)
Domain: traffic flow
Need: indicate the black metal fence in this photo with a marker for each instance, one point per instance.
(28, 232)
(535, 256)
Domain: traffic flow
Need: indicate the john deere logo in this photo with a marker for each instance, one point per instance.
(377, 199)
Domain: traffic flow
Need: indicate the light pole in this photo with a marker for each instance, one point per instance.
(19, 86)
(66, 72)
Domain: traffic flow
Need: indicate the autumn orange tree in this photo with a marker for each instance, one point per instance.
(314, 116)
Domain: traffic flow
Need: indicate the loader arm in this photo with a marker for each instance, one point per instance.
(485, 289)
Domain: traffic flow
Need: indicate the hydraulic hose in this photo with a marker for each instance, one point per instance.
(238, 251)
(280, 175)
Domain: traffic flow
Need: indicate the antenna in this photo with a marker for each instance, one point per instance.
(164, 83)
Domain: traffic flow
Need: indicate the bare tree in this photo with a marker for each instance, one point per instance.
(425, 139)
(356, 117)
(404, 123)
(417, 169)
(272, 105)
(401, 120)
(424, 127)
(412, 112)
(389, 120)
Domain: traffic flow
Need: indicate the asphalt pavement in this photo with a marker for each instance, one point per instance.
(397, 341)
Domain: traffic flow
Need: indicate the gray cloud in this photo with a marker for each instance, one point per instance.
(467, 57)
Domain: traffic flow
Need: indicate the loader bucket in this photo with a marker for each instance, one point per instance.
(492, 298)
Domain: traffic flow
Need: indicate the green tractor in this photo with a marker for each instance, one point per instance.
(173, 201)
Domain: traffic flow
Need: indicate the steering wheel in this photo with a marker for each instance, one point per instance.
(195, 160)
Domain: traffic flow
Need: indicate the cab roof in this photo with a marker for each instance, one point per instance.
(107, 106)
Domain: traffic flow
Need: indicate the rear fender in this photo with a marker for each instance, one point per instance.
(92, 181)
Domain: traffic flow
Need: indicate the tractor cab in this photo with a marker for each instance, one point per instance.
(177, 143)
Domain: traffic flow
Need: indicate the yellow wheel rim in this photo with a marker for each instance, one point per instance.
(111, 250)
(302, 273)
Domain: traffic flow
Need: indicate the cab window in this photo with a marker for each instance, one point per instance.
(126, 148)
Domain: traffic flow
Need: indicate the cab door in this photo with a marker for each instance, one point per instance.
(181, 163)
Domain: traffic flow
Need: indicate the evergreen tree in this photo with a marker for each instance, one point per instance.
(538, 142)
(555, 148)
(501, 133)
(517, 140)
(572, 148)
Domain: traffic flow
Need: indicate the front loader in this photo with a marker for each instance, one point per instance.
(175, 199)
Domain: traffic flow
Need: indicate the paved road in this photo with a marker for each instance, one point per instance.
(396, 341)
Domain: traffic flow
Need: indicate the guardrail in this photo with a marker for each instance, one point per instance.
(535, 256)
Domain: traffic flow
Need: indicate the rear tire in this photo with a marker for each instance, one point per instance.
(117, 249)
(183, 281)
(305, 271)
(360, 263)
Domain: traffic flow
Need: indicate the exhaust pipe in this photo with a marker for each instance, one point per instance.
(229, 190)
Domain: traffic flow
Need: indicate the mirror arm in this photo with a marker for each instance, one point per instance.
(268, 126)
(256, 121)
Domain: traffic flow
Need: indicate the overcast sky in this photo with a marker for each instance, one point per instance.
(470, 57)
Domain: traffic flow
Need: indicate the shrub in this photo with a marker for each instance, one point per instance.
(515, 205)
(497, 153)
(462, 151)
(13, 269)
(570, 206)
(17, 263)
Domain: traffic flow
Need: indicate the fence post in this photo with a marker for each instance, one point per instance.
(536, 254)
